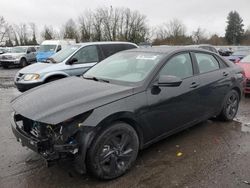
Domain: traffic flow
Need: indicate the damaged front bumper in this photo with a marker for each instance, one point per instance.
(45, 146)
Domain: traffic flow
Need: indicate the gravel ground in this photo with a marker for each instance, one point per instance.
(212, 154)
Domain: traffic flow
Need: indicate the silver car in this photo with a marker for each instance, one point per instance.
(71, 61)
(19, 55)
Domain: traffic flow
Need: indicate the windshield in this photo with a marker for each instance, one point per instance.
(65, 53)
(19, 50)
(125, 66)
(241, 53)
(246, 59)
(47, 48)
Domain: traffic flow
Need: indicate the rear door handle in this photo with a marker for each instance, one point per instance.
(194, 85)
(225, 73)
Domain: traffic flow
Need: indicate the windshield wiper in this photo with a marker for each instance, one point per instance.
(52, 60)
(49, 60)
(95, 79)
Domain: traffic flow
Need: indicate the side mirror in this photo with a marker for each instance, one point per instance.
(169, 81)
(28, 52)
(72, 61)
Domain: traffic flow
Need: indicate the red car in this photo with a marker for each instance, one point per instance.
(245, 64)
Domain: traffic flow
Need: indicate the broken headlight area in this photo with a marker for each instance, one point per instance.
(51, 141)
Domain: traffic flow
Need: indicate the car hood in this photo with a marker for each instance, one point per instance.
(58, 101)
(246, 67)
(14, 54)
(36, 68)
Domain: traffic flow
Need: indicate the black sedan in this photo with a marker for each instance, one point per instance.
(125, 103)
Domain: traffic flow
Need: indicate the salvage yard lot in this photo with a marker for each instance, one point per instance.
(211, 154)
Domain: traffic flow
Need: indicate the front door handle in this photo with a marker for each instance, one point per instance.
(194, 85)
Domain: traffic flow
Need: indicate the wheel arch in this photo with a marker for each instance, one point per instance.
(23, 58)
(126, 117)
(58, 75)
(238, 91)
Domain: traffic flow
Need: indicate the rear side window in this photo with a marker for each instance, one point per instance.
(87, 54)
(206, 62)
(110, 49)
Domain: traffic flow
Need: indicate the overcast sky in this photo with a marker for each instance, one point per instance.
(207, 14)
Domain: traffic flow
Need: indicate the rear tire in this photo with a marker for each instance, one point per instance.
(230, 106)
(113, 151)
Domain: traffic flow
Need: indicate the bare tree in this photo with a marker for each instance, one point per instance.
(48, 33)
(33, 27)
(97, 26)
(199, 35)
(22, 32)
(86, 26)
(173, 33)
(111, 17)
(70, 30)
(3, 30)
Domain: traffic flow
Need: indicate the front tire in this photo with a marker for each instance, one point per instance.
(113, 151)
(5, 66)
(230, 106)
(23, 62)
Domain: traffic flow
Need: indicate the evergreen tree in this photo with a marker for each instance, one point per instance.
(234, 30)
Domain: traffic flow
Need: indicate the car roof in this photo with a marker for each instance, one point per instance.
(105, 42)
(23, 46)
(168, 50)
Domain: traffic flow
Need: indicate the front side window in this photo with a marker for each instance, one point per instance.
(206, 62)
(87, 54)
(33, 49)
(179, 66)
(64, 54)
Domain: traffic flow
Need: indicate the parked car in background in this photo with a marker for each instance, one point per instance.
(205, 47)
(225, 51)
(238, 55)
(71, 61)
(50, 47)
(145, 45)
(2, 51)
(125, 103)
(18, 56)
(245, 64)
